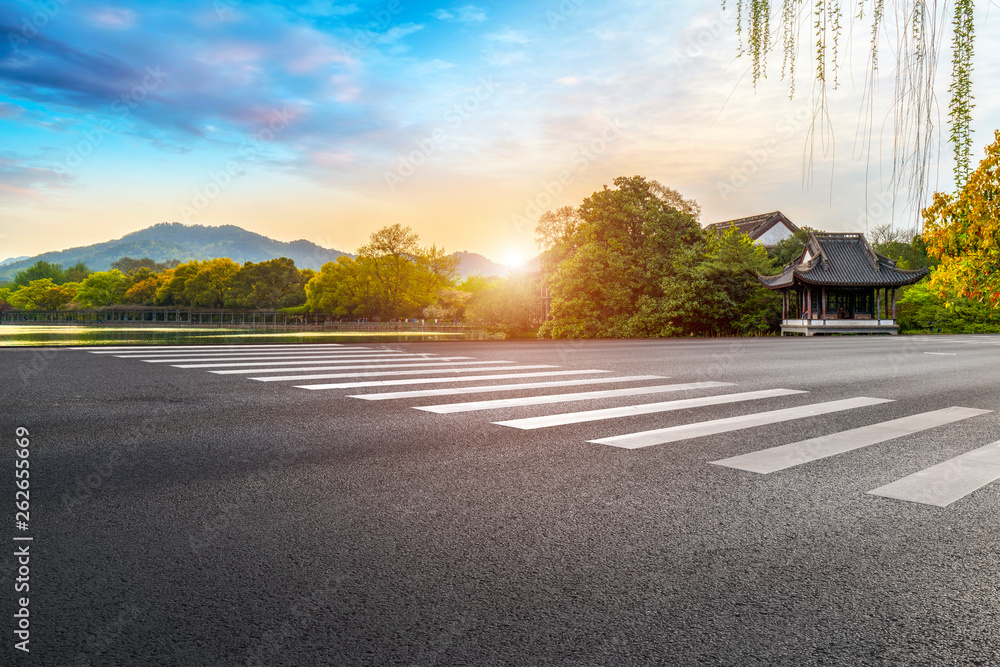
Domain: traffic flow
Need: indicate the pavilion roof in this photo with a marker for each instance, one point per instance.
(842, 260)
(755, 225)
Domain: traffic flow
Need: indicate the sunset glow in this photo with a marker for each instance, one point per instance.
(327, 121)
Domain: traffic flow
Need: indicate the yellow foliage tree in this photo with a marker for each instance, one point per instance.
(963, 231)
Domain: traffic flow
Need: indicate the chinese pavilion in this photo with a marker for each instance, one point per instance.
(840, 285)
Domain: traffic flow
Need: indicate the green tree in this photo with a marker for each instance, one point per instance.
(42, 294)
(104, 288)
(390, 254)
(908, 252)
(921, 309)
(508, 305)
(269, 285)
(391, 277)
(77, 273)
(621, 260)
(732, 299)
(38, 271)
(437, 272)
(173, 286)
(344, 288)
(128, 265)
(450, 304)
(209, 287)
(5, 295)
(789, 249)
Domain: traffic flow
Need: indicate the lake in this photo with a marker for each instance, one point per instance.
(21, 335)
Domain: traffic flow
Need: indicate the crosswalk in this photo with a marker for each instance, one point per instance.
(387, 375)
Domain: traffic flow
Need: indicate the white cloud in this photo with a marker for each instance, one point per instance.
(430, 67)
(506, 58)
(509, 36)
(471, 14)
(325, 8)
(442, 14)
(113, 17)
(398, 32)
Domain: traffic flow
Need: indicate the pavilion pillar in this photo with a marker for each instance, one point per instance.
(822, 302)
(893, 303)
(878, 311)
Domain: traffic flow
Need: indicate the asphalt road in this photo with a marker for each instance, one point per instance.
(185, 517)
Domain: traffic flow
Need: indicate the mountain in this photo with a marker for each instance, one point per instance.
(173, 240)
(11, 260)
(474, 264)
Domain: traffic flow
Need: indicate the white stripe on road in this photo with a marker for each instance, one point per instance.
(118, 349)
(324, 376)
(453, 391)
(255, 358)
(449, 408)
(316, 360)
(472, 378)
(438, 361)
(786, 456)
(943, 484)
(428, 371)
(943, 354)
(686, 431)
(648, 408)
(248, 353)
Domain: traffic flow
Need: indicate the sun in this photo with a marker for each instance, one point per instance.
(514, 259)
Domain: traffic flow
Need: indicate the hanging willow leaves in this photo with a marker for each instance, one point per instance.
(960, 109)
(917, 26)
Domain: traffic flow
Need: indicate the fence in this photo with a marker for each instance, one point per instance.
(224, 318)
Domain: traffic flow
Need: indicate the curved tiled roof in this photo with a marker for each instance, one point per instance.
(754, 225)
(843, 260)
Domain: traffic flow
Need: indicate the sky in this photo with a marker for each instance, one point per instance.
(327, 121)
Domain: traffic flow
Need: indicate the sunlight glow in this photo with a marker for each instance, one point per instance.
(514, 259)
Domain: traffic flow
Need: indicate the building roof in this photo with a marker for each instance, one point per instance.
(755, 225)
(842, 260)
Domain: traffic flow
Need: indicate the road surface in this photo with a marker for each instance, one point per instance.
(820, 501)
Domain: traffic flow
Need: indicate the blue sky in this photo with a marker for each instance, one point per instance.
(326, 120)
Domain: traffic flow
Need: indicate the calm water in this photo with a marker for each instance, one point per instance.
(12, 335)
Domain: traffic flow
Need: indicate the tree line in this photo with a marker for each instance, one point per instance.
(392, 277)
(633, 261)
(630, 261)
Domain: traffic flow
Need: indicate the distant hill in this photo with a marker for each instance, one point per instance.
(11, 260)
(172, 240)
(474, 264)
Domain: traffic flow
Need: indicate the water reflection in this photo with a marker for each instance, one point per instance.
(17, 335)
